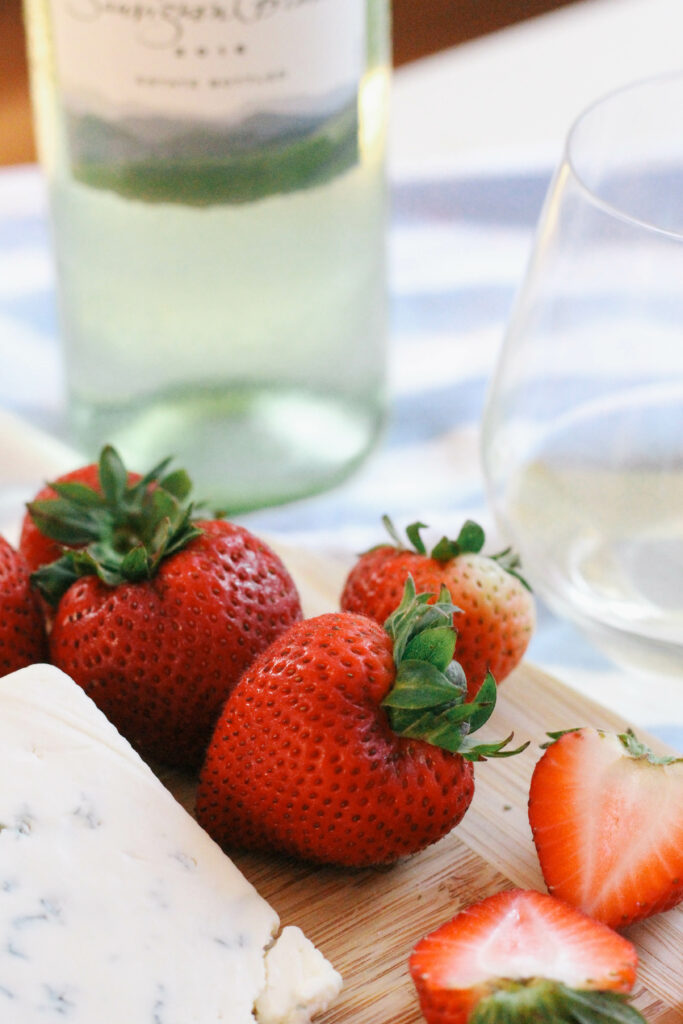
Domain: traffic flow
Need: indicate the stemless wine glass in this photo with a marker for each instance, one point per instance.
(583, 429)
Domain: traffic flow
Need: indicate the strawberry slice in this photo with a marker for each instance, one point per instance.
(523, 956)
(607, 820)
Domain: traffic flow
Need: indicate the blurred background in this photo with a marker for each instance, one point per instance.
(421, 27)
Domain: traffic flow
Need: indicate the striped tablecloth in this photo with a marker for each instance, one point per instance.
(458, 245)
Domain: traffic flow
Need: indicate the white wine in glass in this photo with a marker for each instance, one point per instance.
(583, 429)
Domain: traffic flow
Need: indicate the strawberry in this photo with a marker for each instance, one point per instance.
(520, 957)
(36, 547)
(496, 612)
(22, 632)
(607, 819)
(346, 742)
(158, 616)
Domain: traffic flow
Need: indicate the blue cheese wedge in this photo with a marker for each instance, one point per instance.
(115, 906)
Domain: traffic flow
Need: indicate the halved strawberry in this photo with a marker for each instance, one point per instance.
(607, 821)
(523, 956)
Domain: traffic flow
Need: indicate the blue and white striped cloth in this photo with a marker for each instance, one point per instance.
(458, 249)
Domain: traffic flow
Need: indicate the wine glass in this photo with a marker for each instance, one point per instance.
(583, 428)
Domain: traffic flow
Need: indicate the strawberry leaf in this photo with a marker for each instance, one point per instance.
(421, 685)
(135, 564)
(510, 561)
(435, 645)
(61, 520)
(97, 560)
(484, 702)
(472, 751)
(51, 581)
(113, 475)
(153, 475)
(456, 674)
(178, 484)
(164, 507)
(159, 542)
(470, 540)
(553, 737)
(413, 535)
(634, 748)
(513, 1001)
(78, 493)
(181, 535)
(596, 1007)
(435, 729)
(415, 614)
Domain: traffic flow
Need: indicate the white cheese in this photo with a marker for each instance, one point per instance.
(115, 906)
(295, 981)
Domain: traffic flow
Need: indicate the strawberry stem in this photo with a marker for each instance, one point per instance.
(121, 532)
(427, 701)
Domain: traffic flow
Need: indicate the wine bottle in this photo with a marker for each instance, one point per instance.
(216, 176)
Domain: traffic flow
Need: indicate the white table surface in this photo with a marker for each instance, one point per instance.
(511, 96)
(488, 113)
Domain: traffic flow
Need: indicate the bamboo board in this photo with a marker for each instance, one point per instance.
(367, 922)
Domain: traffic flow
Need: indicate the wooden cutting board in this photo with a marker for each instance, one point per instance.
(367, 922)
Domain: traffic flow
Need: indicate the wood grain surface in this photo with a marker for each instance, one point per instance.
(366, 922)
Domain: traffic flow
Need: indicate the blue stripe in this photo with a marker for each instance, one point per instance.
(500, 200)
(35, 309)
(22, 232)
(429, 414)
(452, 311)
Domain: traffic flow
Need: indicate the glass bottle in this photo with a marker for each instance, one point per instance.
(216, 177)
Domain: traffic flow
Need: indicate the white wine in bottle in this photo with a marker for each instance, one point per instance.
(216, 176)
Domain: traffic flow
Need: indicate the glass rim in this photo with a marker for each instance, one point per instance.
(568, 159)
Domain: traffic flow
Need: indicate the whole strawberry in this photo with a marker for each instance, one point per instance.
(522, 957)
(347, 743)
(496, 612)
(35, 545)
(607, 819)
(22, 631)
(158, 615)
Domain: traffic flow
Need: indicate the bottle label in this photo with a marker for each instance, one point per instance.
(219, 60)
(207, 101)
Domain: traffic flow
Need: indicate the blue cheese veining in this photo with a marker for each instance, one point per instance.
(115, 906)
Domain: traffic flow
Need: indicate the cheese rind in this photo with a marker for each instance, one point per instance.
(114, 904)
